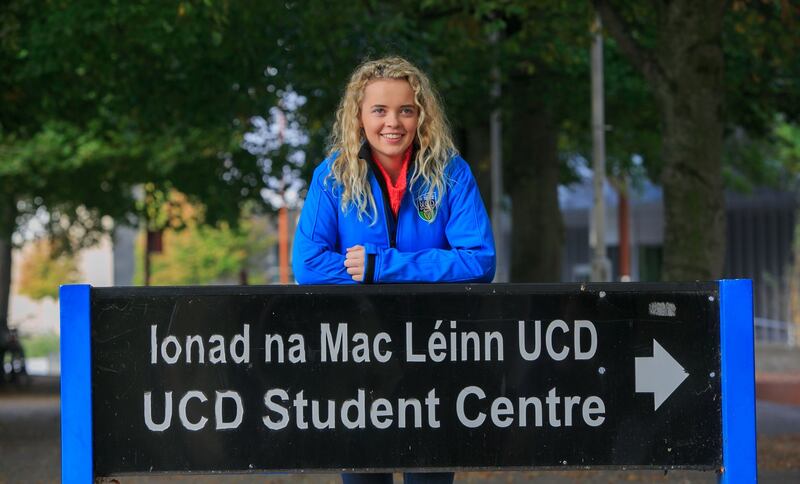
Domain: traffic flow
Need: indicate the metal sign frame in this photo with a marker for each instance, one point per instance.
(736, 378)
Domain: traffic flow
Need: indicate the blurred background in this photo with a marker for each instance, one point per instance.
(170, 142)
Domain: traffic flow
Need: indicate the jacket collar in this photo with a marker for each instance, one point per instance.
(365, 153)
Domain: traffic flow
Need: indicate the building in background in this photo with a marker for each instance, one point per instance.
(760, 228)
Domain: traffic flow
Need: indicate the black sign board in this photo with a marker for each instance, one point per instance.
(411, 377)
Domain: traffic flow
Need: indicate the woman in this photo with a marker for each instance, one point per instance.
(393, 202)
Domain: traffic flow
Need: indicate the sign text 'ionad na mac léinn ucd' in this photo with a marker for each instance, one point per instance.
(328, 378)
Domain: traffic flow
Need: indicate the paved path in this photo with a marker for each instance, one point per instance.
(30, 452)
(30, 433)
(776, 419)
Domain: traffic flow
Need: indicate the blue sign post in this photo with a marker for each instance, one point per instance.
(383, 378)
(738, 382)
(77, 465)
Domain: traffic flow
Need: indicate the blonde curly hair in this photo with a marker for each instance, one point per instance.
(435, 144)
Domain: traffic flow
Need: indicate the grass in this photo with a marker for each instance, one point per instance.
(40, 345)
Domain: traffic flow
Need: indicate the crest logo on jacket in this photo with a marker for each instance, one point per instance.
(426, 206)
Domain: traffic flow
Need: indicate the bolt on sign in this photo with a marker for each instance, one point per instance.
(422, 377)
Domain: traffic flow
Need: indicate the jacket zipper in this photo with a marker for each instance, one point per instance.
(391, 221)
(389, 217)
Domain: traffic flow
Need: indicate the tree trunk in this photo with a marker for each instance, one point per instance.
(7, 226)
(685, 70)
(475, 149)
(690, 51)
(533, 171)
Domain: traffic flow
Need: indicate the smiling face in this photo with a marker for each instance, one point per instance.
(389, 117)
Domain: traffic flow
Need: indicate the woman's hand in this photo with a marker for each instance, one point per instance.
(355, 261)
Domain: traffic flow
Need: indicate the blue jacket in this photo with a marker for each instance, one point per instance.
(455, 246)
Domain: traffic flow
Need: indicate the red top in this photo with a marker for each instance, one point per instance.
(396, 191)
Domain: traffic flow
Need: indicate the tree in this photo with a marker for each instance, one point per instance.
(705, 63)
(544, 58)
(101, 97)
(541, 53)
(201, 254)
(42, 271)
(536, 54)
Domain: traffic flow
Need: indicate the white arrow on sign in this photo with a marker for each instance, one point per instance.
(659, 374)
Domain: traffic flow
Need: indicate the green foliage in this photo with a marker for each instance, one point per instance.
(40, 345)
(762, 81)
(43, 271)
(99, 97)
(787, 137)
(772, 160)
(202, 254)
(763, 94)
(762, 70)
